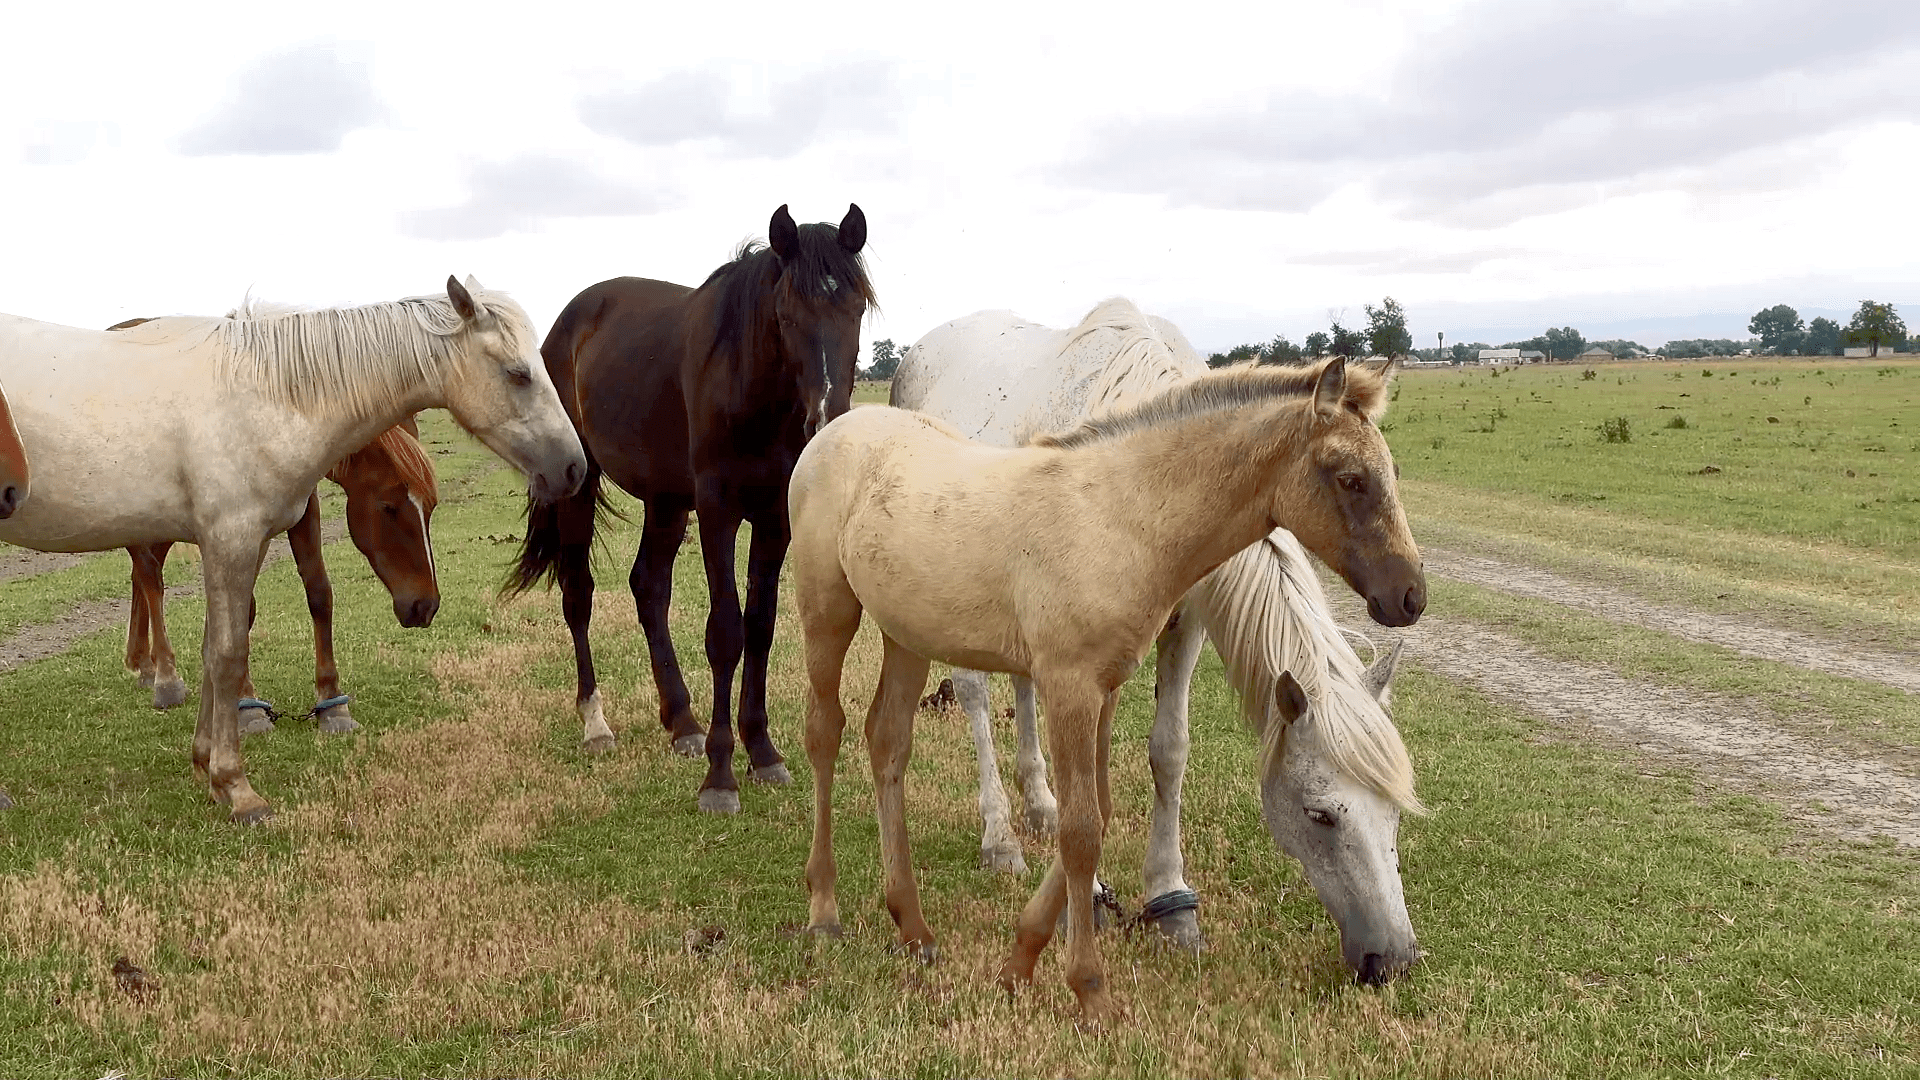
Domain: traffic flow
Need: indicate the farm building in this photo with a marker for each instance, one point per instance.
(1511, 356)
(1596, 355)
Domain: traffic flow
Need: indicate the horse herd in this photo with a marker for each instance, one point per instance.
(1047, 503)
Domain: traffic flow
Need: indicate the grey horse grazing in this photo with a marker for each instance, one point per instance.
(1334, 774)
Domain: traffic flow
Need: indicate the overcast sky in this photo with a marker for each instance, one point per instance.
(1241, 168)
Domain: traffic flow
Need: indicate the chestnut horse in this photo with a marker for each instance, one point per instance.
(1060, 561)
(214, 432)
(700, 399)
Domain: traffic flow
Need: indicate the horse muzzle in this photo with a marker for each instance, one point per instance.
(11, 497)
(1396, 591)
(417, 612)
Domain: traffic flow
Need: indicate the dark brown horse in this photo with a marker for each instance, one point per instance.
(391, 493)
(701, 399)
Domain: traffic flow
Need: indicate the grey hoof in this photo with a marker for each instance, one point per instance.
(5, 803)
(775, 774)
(337, 721)
(255, 722)
(1183, 929)
(1006, 859)
(258, 816)
(166, 695)
(715, 801)
(831, 930)
(1043, 820)
(1106, 909)
(599, 744)
(694, 745)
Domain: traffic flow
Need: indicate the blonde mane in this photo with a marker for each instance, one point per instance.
(1143, 364)
(1220, 391)
(400, 449)
(353, 359)
(1269, 614)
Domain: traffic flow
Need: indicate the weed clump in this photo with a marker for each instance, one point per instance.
(1678, 423)
(1616, 430)
(1588, 375)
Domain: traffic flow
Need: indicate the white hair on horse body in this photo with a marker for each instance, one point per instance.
(1267, 611)
(342, 359)
(1268, 615)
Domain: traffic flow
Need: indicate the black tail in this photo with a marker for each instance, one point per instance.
(555, 528)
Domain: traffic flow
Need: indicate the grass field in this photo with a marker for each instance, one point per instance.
(456, 891)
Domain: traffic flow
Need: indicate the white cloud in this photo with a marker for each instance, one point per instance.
(519, 193)
(702, 104)
(299, 101)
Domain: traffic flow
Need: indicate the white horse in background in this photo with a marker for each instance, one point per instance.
(1334, 774)
(214, 432)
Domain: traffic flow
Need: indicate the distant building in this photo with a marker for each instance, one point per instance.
(1596, 355)
(1864, 350)
(1511, 356)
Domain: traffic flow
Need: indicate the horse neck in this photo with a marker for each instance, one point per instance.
(1197, 489)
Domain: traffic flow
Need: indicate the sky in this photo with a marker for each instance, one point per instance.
(1646, 170)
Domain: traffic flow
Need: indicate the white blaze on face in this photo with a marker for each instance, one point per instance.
(425, 534)
(826, 393)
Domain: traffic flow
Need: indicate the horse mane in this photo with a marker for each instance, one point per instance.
(1268, 614)
(409, 459)
(354, 359)
(821, 267)
(1144, 362)
(1220, 391)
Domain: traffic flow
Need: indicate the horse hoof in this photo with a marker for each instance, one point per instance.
(337, 721)
(715, 801)
(255, 722)
(694, 745)
(255, 815)
(168, 694)
(775, 775)
(1043, 820)
(831, 929)
(1006, 859)
(599, 744)
(5, 803)
(1183, 929)
(924, 951)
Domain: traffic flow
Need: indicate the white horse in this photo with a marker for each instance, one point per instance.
(214, 432)
(1001, 379)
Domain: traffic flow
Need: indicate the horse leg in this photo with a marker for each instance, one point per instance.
(719, 531)
(1171, 901)
(169, 689)
(230, 569)
(139, 647)
(1029, 765)
(304, 538)
(1077, 714)
(903, 677)
(829, 616)
(652, 585)
(572, 568)
(999, 848)
(766, 552)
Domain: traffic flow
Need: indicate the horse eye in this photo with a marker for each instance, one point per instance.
(1321, 817)
(391, 509)
(1354, 482)
(520, 376)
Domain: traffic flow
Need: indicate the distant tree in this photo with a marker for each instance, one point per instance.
(1822, 338)
(886, 360)
(1565, 343)
(1386, 332)
(1685, 348)
(1317, 344)
(1467, 351)
(1280, 351)
(1621, 347)
(1345, 342)
(1218, 360)
(1779, 328)
(1876, 324)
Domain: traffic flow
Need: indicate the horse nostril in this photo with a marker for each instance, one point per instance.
(575, 474)
(9, 499)
(1373, 970)
(1416, 601)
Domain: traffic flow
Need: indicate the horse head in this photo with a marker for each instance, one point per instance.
(822, 295)
(390, 499)
(1344, 832)
(1343, 500)
(501, 392)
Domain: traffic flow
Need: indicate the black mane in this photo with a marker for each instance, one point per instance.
(822, 267)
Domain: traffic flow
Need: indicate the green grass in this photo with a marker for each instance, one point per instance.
(456, 891)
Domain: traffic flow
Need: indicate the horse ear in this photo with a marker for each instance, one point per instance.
(1387, 368)
(853, 229)
(473, 283)
(1331, 390)
(1378, 678)
(783, 236)
(464, 304)
(1289, 698)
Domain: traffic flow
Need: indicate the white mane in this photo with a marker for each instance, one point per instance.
(352, 359)
(1268, 613)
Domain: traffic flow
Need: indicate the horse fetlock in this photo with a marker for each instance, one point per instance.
(775, 775)
(168, 693)
(1043, 818)
(602, 743)
(717, 801)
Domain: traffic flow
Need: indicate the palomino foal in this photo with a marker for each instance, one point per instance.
(391, 493)
(1060, 561)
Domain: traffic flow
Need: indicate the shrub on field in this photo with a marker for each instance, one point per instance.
(1615, 430)
(1589, 375)
(1677, 422)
